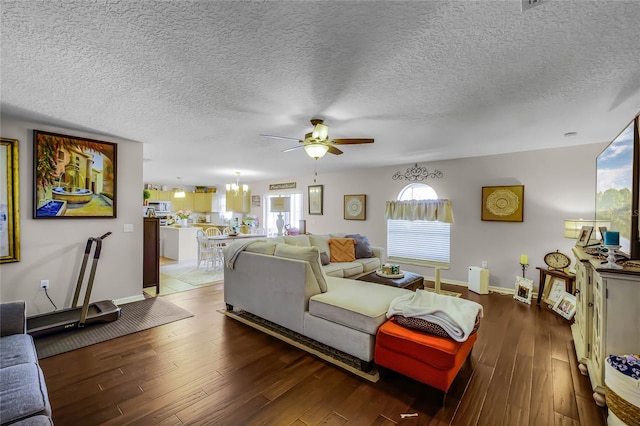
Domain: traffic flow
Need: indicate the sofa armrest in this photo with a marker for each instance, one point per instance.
(13, 318)
(380, 253)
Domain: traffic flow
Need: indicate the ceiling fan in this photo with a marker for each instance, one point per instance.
(317, 142)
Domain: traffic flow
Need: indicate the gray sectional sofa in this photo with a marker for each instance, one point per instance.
(368, 259)
(286, 284)
(23, 392)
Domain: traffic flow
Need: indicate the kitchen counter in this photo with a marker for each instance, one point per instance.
(178, 243)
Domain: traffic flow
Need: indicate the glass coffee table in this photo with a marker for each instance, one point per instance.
(410, 280)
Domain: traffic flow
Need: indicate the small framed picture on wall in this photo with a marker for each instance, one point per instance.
(355, 207)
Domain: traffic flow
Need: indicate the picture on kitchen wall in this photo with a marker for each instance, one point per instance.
(9, 202)
(73, 177)
(355, 207)
(503, 203)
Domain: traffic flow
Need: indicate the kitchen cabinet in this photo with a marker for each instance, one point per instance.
(607, 316)
(157, 195)
(202, 201)
(185, 203)
(205, 202)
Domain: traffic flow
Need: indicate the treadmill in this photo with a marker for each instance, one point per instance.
(77, 316)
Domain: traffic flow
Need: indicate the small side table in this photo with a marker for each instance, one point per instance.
(569, 280)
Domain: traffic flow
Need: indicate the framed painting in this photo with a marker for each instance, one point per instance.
(355, 207)
(503, 203)
(73, 177)
(255, 201)
(9, 202)
(315, 199)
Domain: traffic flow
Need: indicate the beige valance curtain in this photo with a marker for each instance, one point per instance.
(430, 210)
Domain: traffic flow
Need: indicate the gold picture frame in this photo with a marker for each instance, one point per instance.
(9, 201)
(503, 203)
(355, 207)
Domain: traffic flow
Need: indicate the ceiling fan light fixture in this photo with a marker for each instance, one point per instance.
(316, 150)
(320, 132)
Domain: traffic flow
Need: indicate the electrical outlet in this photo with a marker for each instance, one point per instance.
(44, 284)
(484, 264)
(128, 227)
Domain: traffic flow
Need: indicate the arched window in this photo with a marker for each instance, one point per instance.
(418, 242)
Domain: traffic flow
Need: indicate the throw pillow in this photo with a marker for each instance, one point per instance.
(342, 249)
(428, 327)
(324, 258)
(363, 248)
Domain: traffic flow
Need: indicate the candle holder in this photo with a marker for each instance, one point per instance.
(611, 258)
(524, 268)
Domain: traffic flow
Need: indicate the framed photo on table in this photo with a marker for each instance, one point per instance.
(315, 199)
(565, 306)
(584, 236)
(554, 288)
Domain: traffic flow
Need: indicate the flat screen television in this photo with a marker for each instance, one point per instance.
(617, 188)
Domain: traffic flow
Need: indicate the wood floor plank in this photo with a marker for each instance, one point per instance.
(541, 407)
(564, 398)
(209, 369)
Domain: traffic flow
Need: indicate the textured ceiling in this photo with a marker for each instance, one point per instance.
(198, 81)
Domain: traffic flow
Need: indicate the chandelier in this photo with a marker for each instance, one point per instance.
(237, 196)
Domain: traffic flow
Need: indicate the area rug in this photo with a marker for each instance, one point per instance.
(135, 316)
(190, 274)
(322, 351)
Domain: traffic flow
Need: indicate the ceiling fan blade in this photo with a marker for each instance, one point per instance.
(351, 141)
(333, 150)
(280, 137)
(293, 148)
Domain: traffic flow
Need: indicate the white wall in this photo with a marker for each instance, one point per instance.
(559, 184)
(53, 249)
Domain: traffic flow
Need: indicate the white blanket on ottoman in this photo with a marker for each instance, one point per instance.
(456, 316)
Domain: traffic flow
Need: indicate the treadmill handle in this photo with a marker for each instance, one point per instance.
(105, 235)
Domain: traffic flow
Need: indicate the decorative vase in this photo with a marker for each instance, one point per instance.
(184, 222)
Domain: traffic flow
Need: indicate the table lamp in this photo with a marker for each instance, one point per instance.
(280, 205)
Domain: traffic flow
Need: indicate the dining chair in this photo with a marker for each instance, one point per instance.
(206, 251)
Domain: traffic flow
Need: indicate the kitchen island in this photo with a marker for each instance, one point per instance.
(178, 243)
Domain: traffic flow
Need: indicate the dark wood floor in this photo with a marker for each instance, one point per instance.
(209, 369)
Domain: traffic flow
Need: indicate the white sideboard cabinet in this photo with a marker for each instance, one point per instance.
(607, 319)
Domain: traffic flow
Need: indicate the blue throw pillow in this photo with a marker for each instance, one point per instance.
(363, 248)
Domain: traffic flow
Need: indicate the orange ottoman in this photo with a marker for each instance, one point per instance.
(427, 358)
